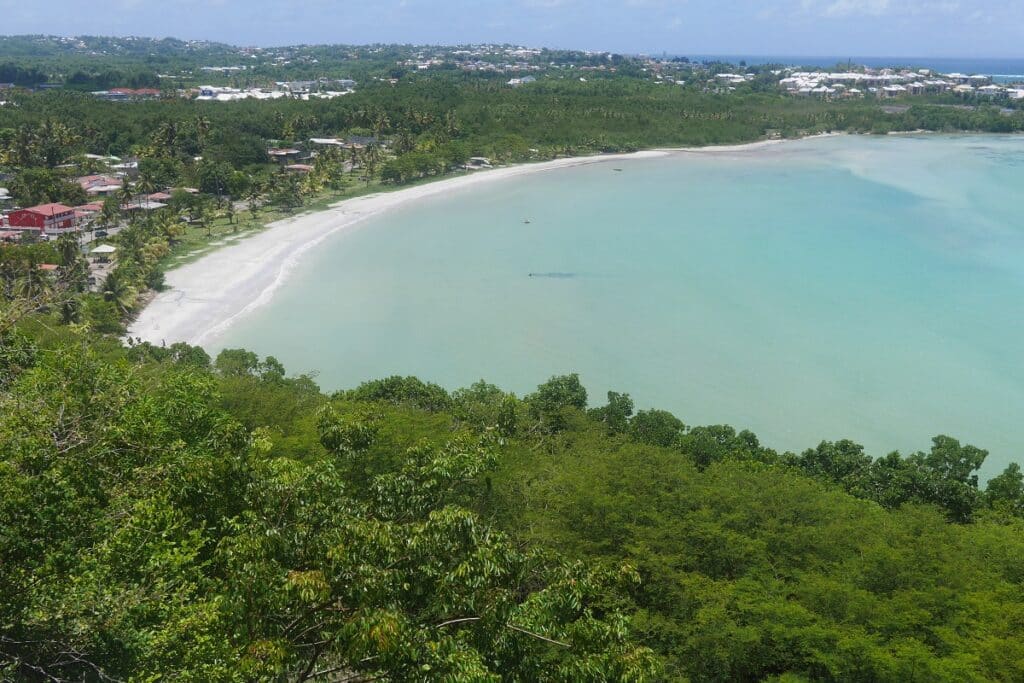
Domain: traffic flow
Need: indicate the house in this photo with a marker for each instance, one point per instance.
(142, 205)
(123, 94)
(86, 212)
(284, 154)
(49, 219)
(128, 167)
(298, 168)
(361, 141)
(100, 185)
(516, 82)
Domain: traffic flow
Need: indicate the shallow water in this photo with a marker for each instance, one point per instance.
(869, 288)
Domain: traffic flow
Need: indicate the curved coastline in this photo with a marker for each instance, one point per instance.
(204, 297)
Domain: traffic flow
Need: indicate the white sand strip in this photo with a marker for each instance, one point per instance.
(203, 298)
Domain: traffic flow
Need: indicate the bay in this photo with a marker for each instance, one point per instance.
(848, 287)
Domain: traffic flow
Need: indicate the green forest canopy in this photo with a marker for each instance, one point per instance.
(167, 515)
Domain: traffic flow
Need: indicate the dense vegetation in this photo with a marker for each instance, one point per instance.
(165, 515)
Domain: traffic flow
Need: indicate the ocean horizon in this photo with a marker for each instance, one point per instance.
(1000, 68)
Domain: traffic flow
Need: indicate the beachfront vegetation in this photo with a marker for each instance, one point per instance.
(164, 514)
(422, 128)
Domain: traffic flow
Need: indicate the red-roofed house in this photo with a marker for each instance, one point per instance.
(51, 219)
(298, 168)
(87, 212)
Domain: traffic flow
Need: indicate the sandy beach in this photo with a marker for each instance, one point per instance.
(204, 297)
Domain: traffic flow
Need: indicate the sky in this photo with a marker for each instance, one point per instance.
(864, 28)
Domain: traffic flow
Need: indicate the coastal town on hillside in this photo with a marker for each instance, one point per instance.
(114, 192)
(243, 73)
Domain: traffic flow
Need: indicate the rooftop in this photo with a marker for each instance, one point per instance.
(49, 210)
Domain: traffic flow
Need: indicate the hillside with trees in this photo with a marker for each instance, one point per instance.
(168, 515)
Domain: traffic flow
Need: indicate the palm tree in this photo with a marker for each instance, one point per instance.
(72, 269)
(108, 216)
(33, 284)
(202, 126)
(119, 290)
(146, 183)
(125, 196)
(171, 227)
(165, 139)
(371, 159)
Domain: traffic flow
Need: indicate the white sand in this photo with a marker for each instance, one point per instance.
(206, 296)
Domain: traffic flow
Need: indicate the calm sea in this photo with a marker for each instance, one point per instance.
(859, 287)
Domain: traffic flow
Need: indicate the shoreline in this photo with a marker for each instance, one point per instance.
(206, 296)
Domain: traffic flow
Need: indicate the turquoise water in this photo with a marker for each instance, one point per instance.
(864, 288)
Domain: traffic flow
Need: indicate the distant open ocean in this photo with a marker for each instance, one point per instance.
(1000, 69)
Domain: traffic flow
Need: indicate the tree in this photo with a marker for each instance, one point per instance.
(549, 403)
(615, 415)
(229, 212)
(146, 183)
(202, 215)
(238, 362)
(214, 177)
(34, 186)
(286, 191)
(842, 462)
(656, 427)
(706, 445)
(158, 525)
(119, 290)
(254, 198)
(1005, 492)
(125, 196)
